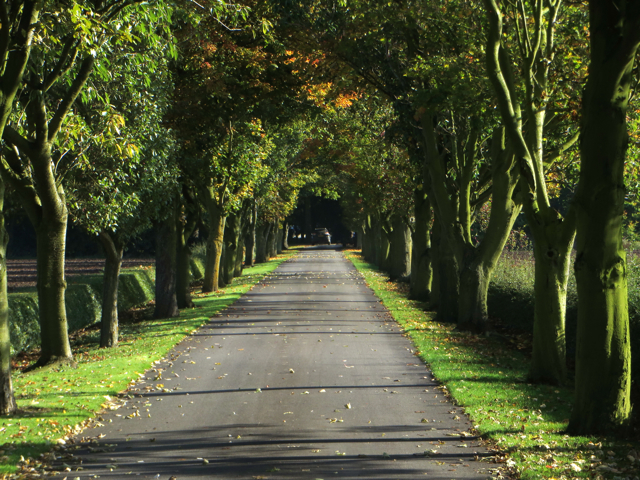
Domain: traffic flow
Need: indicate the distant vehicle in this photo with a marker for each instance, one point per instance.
(321, 236)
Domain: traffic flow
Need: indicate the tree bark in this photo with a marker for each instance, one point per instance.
(214, 247)
(285, 236)
(113, 248)
(186, 223)
(548, 362)
(166, 250)
(448, 280)
(421, 270)
(399, 263)
(368, 240)
(279, 240)
(221, 280)
(272, 239)
(479, 262)
(232, 233)
(262, 235)
(7, 399)
(359, 235)
(385, 246)
(603, 359)
(51, 239)
(250, 238)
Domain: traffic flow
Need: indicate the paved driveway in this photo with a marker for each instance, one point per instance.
(306, 376)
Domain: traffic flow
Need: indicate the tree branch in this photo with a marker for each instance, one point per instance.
(553, 155)
(497, 60)
(70, 50)
(21, 183)
(12, 137)
(72, 93)
(37, 116)
(5, 29)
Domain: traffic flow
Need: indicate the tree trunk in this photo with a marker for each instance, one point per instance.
(285, 237)
(552, 252)
(166, 249)
(279, 240)
(448, 278)
(7, 400)
(399, 265)
(262, 235)
(51, 239)
(478, 262)
(368, 241)
(250, 238)
(214, 248)
(475, 275)
(421, 271)
(271, 240)
(385, 246)
(221, 280)
(237, 272)
(113, 249)
(381, 244)
(185, 226)
(603, 359)
(232, 233)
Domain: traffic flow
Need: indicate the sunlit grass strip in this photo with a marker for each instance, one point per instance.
(486, 376)
(58, 402)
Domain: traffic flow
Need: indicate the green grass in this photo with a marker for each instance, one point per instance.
(486, 376)
(58, 402)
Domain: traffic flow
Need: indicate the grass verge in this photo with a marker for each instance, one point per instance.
(55, 403)
(485, 375)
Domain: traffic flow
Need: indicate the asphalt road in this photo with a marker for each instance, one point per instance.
(306, 376)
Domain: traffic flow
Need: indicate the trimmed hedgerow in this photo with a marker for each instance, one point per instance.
(83, 301)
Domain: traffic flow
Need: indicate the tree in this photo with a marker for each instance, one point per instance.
(429, 68)
(117, 187)
(231, 84)
(39, 145)
(603, 373)
(537, 96)
(17, 25)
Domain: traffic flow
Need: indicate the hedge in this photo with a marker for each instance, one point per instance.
(83, 300)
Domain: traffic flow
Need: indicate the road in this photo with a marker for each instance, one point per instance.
(307, 376)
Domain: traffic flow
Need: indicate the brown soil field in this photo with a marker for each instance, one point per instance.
(22, 273)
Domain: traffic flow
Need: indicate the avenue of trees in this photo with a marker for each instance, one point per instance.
(438, 125)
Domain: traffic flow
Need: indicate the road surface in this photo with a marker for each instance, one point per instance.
(306, 377)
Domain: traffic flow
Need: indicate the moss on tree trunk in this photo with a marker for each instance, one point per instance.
(603, 359)
(51, 238)
(214, 247)
(548, 362)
